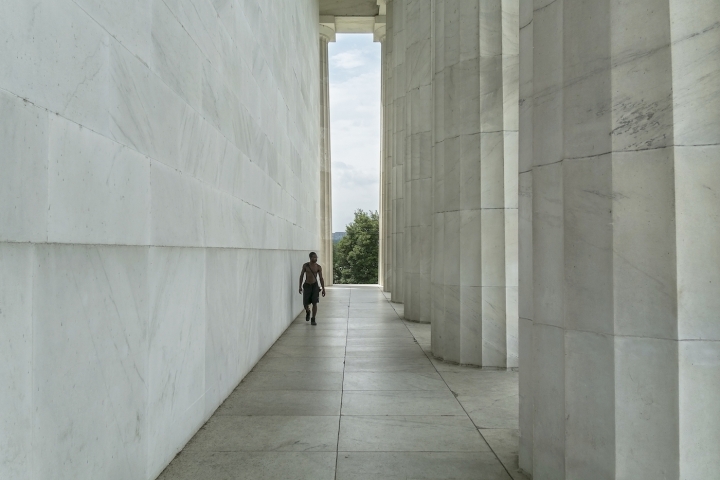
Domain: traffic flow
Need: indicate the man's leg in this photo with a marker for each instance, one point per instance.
(314, 312)
(307, 312)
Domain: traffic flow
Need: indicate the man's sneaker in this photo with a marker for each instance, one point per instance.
(313, 322)
(307, 315)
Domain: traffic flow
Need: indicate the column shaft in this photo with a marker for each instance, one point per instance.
(396, 15)
(452, 144)
(326, 239)
(475, 182)
(619, 152)
(525, 240)
(418, 160)
(388, 152)
(382, 195)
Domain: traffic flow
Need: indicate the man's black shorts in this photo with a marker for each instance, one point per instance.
(311, 293)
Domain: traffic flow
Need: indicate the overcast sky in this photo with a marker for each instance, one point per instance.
(354, 126)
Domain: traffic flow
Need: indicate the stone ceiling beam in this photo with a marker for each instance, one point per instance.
(351, 8)
(331, 25)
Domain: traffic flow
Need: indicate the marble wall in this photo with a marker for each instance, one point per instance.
(619, 249)
(159, 192)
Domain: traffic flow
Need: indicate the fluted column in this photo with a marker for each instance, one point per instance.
(510, 51)
(418, 160)
(620, 362)
(385, 260)
(326, 239)
(389, 150)
(383, 198)
(395, 19)
(475, 182)
(525, 240)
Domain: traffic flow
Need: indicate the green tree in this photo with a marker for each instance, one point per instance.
(356, 255)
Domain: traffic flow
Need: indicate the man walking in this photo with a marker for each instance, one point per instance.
(310, 289)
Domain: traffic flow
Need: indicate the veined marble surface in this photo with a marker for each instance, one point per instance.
(475, 184)
(160, 170)
(619, 239)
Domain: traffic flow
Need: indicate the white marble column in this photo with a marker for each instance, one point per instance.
(525, 236)
(326, 237)
(396, 69)
(389, 150)
(389, 115)
(510, 50)
(474, 271)
(620, 149)
(418, 159)
(382, 195)
(385, 260)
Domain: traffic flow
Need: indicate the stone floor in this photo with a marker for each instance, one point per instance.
(358, 396)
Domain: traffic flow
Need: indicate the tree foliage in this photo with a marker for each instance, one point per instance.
(355, 257)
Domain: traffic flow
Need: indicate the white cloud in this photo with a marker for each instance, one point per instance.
(348, 60)
(354, 126)
(350, 176)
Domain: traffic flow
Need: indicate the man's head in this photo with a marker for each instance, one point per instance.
(313, 257)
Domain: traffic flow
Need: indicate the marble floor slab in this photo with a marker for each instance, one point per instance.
(358, 396)
(387, 364)
(255, 381)
(339, 330)
(376, 320)
(490, 398)
(305, 351)
(473, 381)
(393, 381)
(369, 314)
(420, 332)
(404, 340)
(409, 351)
(426, 347)
(287, 364)
(281, 402)
(502, 412)
(504, 442)
(330, 329)
(311, 341)
(251, 466)
(378, 330)
(336, 320)
(399, 433)
(276, 433)
(419, 466)
(394, 402)
(395, 331)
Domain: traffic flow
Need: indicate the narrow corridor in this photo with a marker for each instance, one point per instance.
(359, 396)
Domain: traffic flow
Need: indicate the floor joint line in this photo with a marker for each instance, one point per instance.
(342, 385)
(469, 418)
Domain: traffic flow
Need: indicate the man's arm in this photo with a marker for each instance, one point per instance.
(302, 274)
(322, 280)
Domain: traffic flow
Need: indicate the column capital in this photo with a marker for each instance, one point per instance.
(327, 27)
(382, 4)
(379, 29)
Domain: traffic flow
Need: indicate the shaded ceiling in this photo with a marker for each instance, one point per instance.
(339, 8)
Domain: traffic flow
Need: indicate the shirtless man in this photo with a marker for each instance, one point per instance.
(310, 289)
